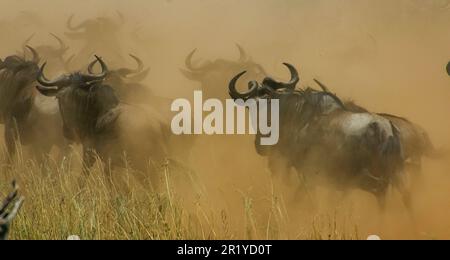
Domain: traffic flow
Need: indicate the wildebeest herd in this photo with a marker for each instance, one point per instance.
(114, 117)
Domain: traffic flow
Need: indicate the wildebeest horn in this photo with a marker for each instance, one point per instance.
(189, 64)
(448, 68)
(322, 86)
(140, 73)
(62, 46)
(188, 61)
(74, 28)
(47, 84)
(27, 42)
(126, 71)
(139, 76)
(140, 64)
(271, 83)
(242, 54)
(253, 88)
(101, 76)
(294, 76)
(34, 52)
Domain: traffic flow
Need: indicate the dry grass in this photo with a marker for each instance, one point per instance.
(60, 202)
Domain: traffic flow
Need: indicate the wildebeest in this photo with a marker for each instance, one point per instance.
(8, 211)
(320, 137)
(29, 118)
(99, 33)
(120, 134)
(129, 88)
(415, 141)
(55, 55)
(214, 75)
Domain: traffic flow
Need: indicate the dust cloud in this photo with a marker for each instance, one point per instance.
(388, 56)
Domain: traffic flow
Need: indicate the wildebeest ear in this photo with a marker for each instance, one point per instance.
(48, 91)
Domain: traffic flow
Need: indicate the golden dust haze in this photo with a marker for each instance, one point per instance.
(388, 56)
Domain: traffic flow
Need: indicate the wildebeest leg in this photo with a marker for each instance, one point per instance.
(381, 199)
(404, 191)
(415, 169)
(305, 191)
(279, 167)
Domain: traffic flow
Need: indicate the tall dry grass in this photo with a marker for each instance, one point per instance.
(60, 202)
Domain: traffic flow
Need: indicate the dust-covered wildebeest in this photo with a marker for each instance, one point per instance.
(319, 137)
(100, 33)
(120, 134)
(56, 55)
(8, 211)
(415, 141)
(214, 75)
(129, 87)
(29, 117)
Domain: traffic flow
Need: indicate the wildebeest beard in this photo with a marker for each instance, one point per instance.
(83, 109)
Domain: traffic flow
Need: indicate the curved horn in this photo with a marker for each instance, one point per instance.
(35, 54)
(139, 76)
(27, 42)
(101, 76)
(253, 88)
(124, 72)
(140, 64)
(91, 67)
(189, 65)
(271, 83)
(243, 57)
(62, 46)
(294, 76)
(188, 60)
(322, 86)
(74, 28)
(49, 84)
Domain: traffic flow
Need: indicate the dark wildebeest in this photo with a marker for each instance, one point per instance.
(120, 134)
(320, 138)
(214, 75)
(415, 141)
(8, 211)
(25, 113)
(130, 89)
(100, 33)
